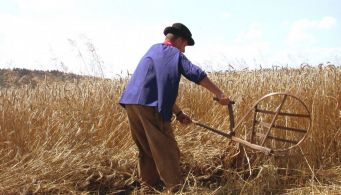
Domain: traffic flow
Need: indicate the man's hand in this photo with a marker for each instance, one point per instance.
(224, 100)
(183, 118)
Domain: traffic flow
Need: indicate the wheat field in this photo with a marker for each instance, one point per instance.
(72, 137)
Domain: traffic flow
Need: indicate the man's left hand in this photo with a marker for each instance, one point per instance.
(184, 118)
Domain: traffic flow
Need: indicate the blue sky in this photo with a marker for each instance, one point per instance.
(55, 34)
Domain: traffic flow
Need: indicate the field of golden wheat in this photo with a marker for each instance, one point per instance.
(72, 137)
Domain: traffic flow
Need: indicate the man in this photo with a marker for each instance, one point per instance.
(149, 99)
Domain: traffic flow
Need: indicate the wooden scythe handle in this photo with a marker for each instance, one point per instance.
(230, 110)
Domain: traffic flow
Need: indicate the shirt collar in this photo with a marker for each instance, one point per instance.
(168, 43)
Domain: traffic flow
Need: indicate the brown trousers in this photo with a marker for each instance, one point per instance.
(159, 155)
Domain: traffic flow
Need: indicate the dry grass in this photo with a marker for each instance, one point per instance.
(73, 137)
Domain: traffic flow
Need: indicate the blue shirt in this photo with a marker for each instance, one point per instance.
(155, 81)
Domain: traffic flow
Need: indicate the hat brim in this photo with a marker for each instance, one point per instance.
(177, 32)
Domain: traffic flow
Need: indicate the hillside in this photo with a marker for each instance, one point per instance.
(20, 77)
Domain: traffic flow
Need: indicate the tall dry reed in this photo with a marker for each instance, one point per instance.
(73, 137)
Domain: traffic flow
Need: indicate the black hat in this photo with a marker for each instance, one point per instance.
(180, 30)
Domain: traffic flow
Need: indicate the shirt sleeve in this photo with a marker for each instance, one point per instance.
(190, 71)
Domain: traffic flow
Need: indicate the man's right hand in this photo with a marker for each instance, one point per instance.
(223, 99)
